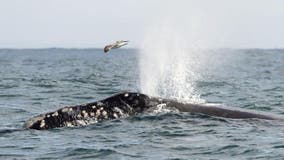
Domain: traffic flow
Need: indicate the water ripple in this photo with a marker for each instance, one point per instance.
(38, 81)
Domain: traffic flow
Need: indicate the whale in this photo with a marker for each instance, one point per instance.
(127, 104)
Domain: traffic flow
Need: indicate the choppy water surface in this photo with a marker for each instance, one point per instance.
(38, 81)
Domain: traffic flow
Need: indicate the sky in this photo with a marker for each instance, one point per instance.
(95, 23)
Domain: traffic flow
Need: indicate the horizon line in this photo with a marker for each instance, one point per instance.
(82, 48)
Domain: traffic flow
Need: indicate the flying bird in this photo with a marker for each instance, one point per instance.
(117, 44)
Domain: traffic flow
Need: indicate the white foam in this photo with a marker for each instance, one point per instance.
(162, 108)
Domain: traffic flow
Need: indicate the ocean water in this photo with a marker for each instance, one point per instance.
(35, 81)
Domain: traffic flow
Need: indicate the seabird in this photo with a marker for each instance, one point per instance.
(117, 44)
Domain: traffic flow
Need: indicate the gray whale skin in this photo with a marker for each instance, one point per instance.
(127, 104)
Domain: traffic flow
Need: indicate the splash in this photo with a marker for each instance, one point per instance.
(167, 65)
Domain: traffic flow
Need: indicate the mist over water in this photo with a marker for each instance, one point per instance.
(168, 64)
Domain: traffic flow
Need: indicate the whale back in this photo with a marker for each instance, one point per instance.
(119, 105)
(127, 104)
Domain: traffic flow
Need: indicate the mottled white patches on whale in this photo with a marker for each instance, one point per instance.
(33, 120)
(100, 103)
(163, 108)
(162, 105)
(65, 110)
(81, 122)
(55, 114)
(104, 113)
(118, 110)
(42, 124)
(69, 124)
(85, 114)
(115, 115)
(92, 114)
(94, 107)
(126, 95)
(98, 113)
(48, 116)
(79, 116)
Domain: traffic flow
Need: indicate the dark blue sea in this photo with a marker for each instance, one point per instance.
(35, 81)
